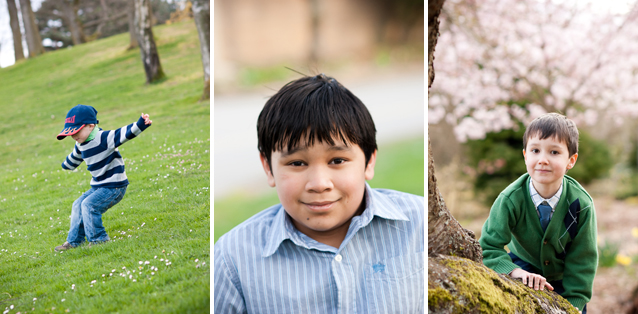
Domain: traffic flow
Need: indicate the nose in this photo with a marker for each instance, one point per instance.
(319, 180)
(542, 159)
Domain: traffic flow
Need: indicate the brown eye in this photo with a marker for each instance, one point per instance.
(338, 161)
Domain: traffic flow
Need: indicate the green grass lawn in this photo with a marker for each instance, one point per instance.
(159, 258)
(399, 167)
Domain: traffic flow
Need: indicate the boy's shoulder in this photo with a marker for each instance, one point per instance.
(518, 188)
(252, 232)
(577, 191)
(410, 204)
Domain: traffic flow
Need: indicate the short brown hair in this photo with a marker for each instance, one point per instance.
(554, 125)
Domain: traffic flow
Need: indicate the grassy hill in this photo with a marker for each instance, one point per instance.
(158, 260)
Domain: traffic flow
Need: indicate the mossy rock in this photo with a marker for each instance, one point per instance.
(459, 285)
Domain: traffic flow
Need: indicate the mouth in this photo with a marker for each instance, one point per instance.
(320, 205)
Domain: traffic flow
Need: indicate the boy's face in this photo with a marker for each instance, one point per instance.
(547, 161)
(321, 187)
(81, 136)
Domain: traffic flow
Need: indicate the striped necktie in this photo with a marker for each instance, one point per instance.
(545, 211)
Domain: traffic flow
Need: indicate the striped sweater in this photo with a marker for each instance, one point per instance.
(102, 157)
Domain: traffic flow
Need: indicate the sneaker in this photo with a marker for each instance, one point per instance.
(63, 247)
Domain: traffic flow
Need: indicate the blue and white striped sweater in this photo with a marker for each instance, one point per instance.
(102, 157)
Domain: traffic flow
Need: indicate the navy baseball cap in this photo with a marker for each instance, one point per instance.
(77, 117)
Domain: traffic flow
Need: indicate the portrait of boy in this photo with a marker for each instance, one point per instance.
(545, 218)
(333, 244)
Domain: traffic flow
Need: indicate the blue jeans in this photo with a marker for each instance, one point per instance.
(557, 284)
(86, 216)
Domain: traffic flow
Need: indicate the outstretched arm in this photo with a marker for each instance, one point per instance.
(122, 135)
(73, 160)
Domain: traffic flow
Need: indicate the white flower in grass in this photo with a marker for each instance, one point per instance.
(152, 273)
(113, 270)
(73, 287)
(141, 262)
(146, 262)
(130, 277)
(34, 299)
(196, 260)
(11, 307)
(103, 275)
(161, 259)
(197, 266)
(94, 281)
(63, 300)
(111, 274)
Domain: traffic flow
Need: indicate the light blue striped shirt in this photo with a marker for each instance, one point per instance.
(265, 265)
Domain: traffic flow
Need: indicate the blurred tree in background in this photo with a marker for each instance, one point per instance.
(74, 22)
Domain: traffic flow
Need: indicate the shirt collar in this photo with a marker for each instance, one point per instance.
(537, 199)
(377, 204)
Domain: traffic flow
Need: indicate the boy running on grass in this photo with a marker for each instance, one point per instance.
(546, 219)
(108, 185)
(333, 245)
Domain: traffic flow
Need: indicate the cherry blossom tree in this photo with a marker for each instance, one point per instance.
(500, 62)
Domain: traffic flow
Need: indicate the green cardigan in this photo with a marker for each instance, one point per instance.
(514, 222)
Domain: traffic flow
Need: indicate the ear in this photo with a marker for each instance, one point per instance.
(572, 161)
(524, 156)
(369, 172)
(264, 163)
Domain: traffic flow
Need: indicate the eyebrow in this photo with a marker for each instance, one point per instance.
(305, 148)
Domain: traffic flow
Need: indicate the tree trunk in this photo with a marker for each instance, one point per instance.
(15, 30)
(131, 26)
(445, 234)
(32, 33)
(105, 18)
(143, 29)
(201, 15)
(458, 282)
(70, 8)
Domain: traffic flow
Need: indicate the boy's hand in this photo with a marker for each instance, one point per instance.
(535, 281)
(147, 121)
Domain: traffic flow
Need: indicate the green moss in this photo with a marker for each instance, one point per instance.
(481, 290)
(438, 296)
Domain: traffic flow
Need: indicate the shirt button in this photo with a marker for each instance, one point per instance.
(338, 258)
(545, 242)
(546, 263)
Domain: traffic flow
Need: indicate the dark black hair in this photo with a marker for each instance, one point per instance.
(554, 125)
(314, 108)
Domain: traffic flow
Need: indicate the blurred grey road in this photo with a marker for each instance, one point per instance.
(395, 102)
